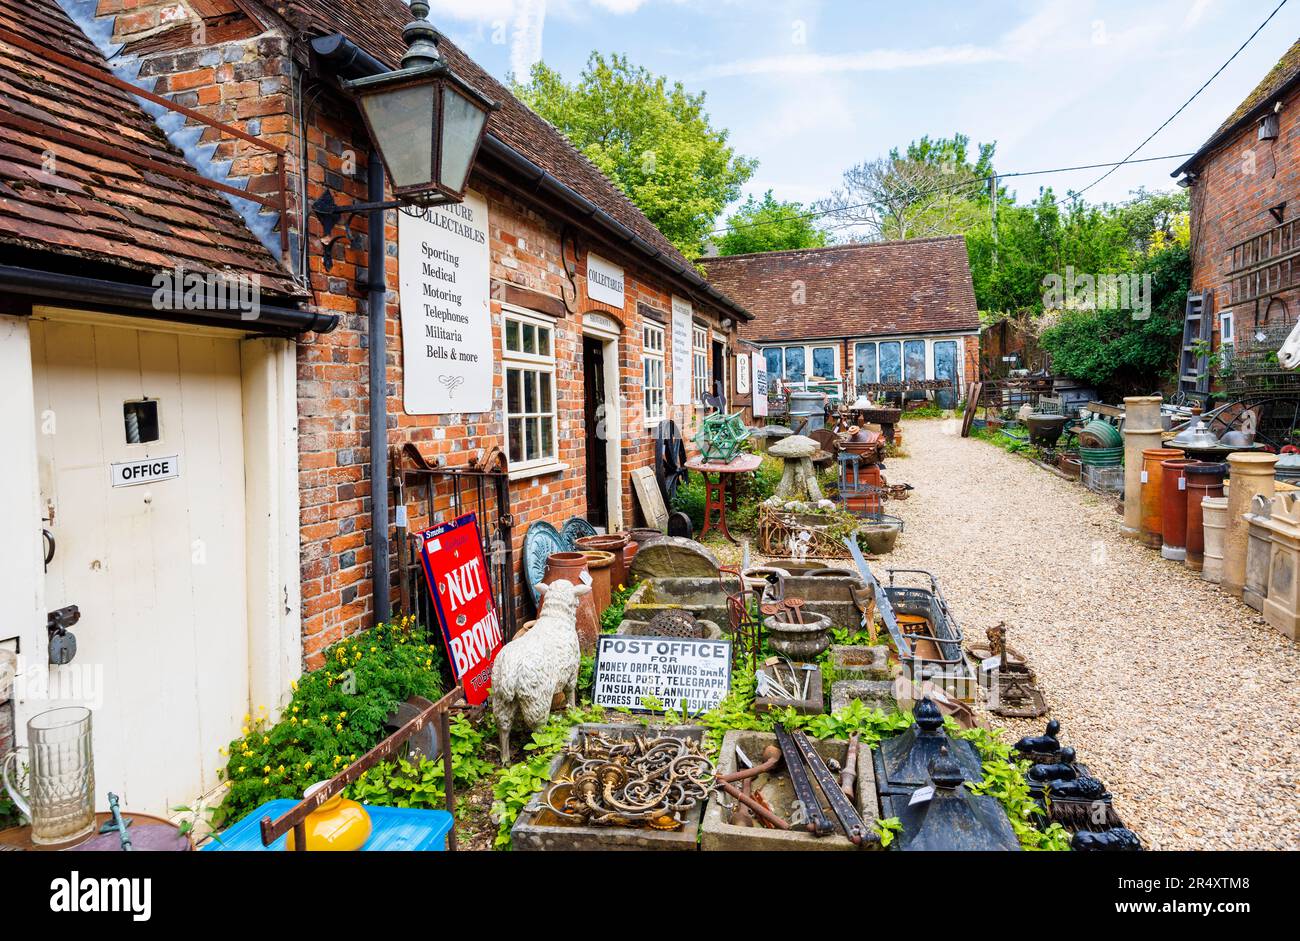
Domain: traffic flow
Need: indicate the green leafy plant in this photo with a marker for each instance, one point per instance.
(336, 713)
(612, 616)
(887, 828)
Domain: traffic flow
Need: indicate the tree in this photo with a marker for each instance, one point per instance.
(769, 225)
(930, 189)
(654, 140)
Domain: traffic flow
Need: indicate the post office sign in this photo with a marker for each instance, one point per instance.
(145, 471)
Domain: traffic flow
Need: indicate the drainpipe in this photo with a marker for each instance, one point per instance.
(377, 296)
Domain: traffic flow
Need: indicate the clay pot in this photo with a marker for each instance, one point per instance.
(629, 554)
(1214, 518)
(614, 543)
(1152, 534)
(1173, 510)
(338, 825)
(572, 566)
(601, 567)
(1203, 480)
(1250, 473)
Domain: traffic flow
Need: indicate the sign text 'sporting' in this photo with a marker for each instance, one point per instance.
(443, 261)
(631, 670)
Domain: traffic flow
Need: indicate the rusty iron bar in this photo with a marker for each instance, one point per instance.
(849, 774)
(294, 818)
(753, 805)
(771, 758)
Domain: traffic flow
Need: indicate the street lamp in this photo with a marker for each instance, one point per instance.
(424, 119)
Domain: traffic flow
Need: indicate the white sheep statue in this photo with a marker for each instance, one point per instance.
(530, 670)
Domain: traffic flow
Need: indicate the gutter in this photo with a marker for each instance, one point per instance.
(138, 300)
(347, 60)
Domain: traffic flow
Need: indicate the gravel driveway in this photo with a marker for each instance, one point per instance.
(1176, 695)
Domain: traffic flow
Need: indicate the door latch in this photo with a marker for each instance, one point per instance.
(63, 645)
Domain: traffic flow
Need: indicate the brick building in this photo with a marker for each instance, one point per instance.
(1244, 199)
(251, 548)
(861, 314)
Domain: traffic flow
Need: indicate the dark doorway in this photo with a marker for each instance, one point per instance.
(719, 370)
(593, 371)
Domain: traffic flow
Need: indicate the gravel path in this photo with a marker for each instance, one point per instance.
(1176, 695)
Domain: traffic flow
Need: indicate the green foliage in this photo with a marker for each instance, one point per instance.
(516, 784)
(586, 674)
(871, 725)
(1004, 779)
(1117, 353)
(612, 616)
(653, 139)
(406, 783)
(849, 637)
(769, 225)
(928, 410)
(336, 714)
(9, 814)
(887, 828)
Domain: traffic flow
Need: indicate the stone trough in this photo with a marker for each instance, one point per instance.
(537, 828)
(720, 834)
(704, 597)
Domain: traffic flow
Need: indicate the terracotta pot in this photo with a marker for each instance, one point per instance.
(572, 566)
(629, 554)
(1173, 511)
(601, 566)
(1204, 479)
(1250, 473)
(613, 542)
(1150, 481)
(1214, 512)
(642, 534)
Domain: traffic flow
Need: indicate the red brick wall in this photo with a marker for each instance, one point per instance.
(1235, 188)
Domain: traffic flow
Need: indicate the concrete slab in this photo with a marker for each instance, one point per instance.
(878, 694)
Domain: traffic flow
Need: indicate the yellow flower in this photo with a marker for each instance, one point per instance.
(261, 709)
(241, 769)
(293, 720)
(280, 769)
(307, 766)
(295, 708)
(343, 714)
(247, 717)
(338, 727)
(293, 685)
(266, 780)
(266, 740)
(306, 722)
(266, 770)
(221, 751)
(337, 759)
(244, 730)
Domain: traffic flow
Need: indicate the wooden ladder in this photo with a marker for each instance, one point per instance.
(1194, 366)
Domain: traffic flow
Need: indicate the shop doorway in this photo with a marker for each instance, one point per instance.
(593, 371)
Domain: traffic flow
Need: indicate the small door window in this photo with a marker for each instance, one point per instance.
(141, 420)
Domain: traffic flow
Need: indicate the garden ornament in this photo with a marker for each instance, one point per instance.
(1047, 744)
(530, 670)
(798, 479)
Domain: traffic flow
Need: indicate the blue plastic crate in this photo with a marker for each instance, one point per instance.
(392, 829)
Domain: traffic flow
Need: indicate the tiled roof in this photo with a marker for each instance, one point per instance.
(863, 289)
(1285, 71)
(56, 197)
(376, 26)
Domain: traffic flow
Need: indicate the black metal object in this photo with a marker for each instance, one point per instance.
(902, 763)
(949, 817)
(62, 646)
(843, 808)
(481, 487)
(817, 822)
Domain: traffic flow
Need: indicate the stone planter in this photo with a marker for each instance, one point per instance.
(860, 662)
(1214, 513)
(805, 641)
(1259, 550)
(812, 704)
(1282, 606)
(536, 828)
(1250, 474)
(880, 537)
(876, 694)
(718, 833)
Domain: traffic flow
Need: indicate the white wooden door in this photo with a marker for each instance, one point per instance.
(158, 568)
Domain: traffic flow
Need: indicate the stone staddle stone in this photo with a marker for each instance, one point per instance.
(798, 478)
(1142, 428)
(1250, 474)
(674, 557)
(795, 446)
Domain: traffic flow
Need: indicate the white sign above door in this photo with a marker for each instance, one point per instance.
(604, 281)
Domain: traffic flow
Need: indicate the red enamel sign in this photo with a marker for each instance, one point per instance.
(457, 574)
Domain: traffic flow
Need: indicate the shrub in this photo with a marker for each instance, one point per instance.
(336, 713)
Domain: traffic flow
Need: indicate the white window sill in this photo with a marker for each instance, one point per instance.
(538, 470)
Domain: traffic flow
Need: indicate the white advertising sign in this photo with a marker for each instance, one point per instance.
(630, 670)
(683, 314)
(443, 267)
(742, 374)
(760, 385)
(604, 281)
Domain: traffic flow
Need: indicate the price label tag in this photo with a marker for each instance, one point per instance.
(921, 795)
(1182, 483)
(401, 516)
(585, 578)
(990, 663)
(1144, 477)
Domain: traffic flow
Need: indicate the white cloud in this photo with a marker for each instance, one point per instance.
(526, 36)
(875, 60)
(1196, 13)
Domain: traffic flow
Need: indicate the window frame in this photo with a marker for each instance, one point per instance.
(526, 364)
(653, 355)
(701, 354)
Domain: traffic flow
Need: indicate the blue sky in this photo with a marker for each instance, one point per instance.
(810, 88)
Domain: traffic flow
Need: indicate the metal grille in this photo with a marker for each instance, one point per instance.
(1255, 378)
